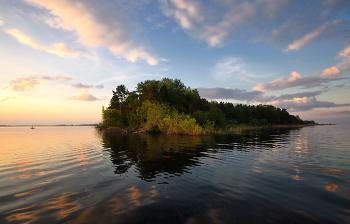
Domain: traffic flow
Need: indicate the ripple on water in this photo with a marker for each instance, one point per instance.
(69, 174)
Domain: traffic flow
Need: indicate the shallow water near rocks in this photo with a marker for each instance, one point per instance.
(77, 175)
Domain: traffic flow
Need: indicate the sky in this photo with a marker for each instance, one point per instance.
(60, 60)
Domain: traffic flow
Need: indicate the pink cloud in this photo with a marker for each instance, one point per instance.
(96, 28)
(58, 48)
(84, 96)
(330, 71)
(24, 84)
(298, 80)
(305, 103)
(279, 84)
(345, 53)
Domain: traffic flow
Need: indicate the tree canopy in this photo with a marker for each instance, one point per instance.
(167, 105)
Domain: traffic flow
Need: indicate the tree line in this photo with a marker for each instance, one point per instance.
(169, 106)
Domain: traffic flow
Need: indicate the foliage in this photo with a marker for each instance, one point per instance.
(111, 118)
(169, 106)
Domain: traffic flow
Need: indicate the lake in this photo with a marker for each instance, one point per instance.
(77, 175)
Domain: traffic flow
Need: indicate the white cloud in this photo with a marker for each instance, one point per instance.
(248, 80)
(278, 22)
(229, 67)
(57, 48)
(309, 37)
(97, 27)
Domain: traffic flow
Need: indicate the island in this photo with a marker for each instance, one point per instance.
(168, 106)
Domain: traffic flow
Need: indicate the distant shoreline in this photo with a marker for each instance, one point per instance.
(49, 125)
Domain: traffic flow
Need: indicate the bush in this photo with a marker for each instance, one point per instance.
(111, 118)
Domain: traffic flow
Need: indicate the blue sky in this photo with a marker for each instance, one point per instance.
(60, 60)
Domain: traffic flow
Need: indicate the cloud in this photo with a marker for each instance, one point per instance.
(163, 59)
(24, 84)
(343, 112)
(297, 80)
(56, 77)
(305, 103)
(302, 101)
(1, 22)
(58, 48)
(344, 65)
(339, 86)
(309, 37)
(227, 93)
(248, 80)
(97, 25)
(325, 89)
(84, 96)
(345, 53)
(85, 86)
(228, 67)
(253, 96)
(330, 71)
(293, 96)
(277, 22)
(7, 98)
(80, 86)
(281, 83)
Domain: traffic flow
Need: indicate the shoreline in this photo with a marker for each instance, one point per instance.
(228, 131)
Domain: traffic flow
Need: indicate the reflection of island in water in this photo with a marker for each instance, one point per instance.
(173, 155)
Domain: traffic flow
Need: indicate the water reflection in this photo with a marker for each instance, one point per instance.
(171, 155)
(118, 209)
(62, 206)
(268, 175)
(154, 154)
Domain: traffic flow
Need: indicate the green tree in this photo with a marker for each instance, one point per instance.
(111, 118)
(119, 97)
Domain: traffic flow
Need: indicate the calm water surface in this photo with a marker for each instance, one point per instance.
(75, 175)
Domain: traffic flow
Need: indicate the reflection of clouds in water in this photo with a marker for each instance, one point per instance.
(27, 193)
(61, 208)
(117, 208)
(29, 175)
(261, 169)
(331, 187)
